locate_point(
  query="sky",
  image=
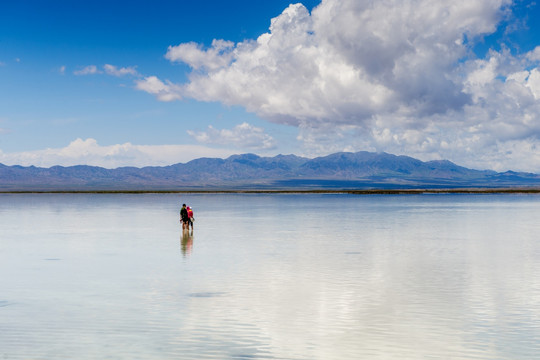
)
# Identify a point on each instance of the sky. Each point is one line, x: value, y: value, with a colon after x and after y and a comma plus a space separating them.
x: 154, y: 83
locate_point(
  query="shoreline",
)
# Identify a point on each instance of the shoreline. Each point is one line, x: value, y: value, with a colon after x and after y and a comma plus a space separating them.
x: 290, y: 191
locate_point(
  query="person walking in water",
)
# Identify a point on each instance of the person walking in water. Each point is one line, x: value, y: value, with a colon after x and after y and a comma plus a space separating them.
x: 184, y: 218
x: 190, y: 217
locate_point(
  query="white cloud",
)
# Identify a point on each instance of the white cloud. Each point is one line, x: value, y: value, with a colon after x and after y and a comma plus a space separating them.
x: 88, y: 70
x: 533, y: 82
x: 89, y: 152
x: 163, y: 91
x: 389, y: 76
x: 116, y: 71
x: 62, y: 69
x: 243, y: 136
x: 345, y: 62
x: 218, y: 56
x: 107, y: 69
x: 534, y: 55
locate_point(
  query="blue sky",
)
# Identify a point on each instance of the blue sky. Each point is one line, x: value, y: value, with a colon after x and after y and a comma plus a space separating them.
x: 156, y: 83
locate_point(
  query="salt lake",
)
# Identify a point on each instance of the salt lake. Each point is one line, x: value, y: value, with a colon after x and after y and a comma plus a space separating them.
x: 270, y: 276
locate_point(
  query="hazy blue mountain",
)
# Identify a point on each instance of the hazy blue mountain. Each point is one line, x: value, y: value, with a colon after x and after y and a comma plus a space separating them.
x: 365, y: 164
x: 361, y: 170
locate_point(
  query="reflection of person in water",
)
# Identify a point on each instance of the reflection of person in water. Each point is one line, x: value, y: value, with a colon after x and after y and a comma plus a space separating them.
x: 186, y: 244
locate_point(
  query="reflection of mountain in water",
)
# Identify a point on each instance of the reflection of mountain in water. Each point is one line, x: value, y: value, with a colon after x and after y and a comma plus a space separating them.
x: 361, y: 170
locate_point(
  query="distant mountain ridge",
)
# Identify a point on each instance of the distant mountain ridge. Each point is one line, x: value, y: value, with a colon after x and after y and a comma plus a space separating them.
x: 344, y: 170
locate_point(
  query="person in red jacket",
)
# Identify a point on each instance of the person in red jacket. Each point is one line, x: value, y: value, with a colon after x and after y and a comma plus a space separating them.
x: 190, y: 217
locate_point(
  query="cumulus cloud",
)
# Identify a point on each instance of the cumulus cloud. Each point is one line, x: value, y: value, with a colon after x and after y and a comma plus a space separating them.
x: 89, y: 152
x: 219, y: 55
x: 88, y: 70
x: 346, y: 62
x: 164, y: 91
x: 107, y: 69
x: 534, y: 55
x: 378, y: 75
x: 242, y: 136
x: 116, y: 71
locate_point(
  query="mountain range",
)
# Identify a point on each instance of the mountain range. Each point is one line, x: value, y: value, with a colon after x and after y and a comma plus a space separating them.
x: 360, y: 170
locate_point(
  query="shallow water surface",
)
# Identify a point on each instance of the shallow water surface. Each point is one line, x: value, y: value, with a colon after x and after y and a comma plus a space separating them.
x: 281, y: 276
